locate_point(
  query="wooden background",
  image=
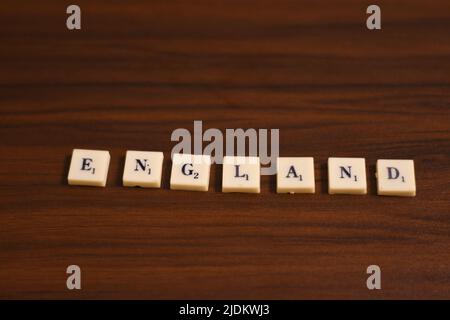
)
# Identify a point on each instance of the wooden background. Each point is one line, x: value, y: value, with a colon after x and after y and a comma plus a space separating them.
x: 138, y: 70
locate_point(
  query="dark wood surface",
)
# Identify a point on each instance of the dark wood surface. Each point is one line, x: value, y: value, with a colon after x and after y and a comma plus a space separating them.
x: 138, y: 70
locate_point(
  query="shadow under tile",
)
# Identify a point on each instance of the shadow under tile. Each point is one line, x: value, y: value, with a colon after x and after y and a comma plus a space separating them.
x: 273, y: 183
x: 119, y: 171
x: 166, y: 170
x: 372, y: 180
x: 218, y: 178
x: 324, y: 178
x: 66, y: 168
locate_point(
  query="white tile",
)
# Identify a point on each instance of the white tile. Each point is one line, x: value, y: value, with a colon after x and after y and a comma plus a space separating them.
x: 241, y: 174
x: 347, y: 175
x: 89, y: 167
x: 295, y: 175
x: 143, y: 169
x: 190, y: 172
x: 396, y: 178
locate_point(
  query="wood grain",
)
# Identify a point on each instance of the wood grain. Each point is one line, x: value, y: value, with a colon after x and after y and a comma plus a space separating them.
x: 140, y: 69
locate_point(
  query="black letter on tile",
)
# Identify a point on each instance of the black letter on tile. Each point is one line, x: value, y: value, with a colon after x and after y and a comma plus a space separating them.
x: 390, y: 173
x: 292, y: 171
x: 141, y: 164
x: 237, y: 172
x: 348, y: 172
x: 86, y: 164
x: 187, y: 172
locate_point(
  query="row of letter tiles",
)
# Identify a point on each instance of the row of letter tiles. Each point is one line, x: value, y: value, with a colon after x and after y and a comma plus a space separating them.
x: 242, y: 174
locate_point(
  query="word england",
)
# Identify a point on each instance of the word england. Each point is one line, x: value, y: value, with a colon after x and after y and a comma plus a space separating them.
x: 242, y: 174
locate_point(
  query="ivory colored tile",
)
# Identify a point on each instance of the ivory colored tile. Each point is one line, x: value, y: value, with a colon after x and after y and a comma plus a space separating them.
x: 347, y: 175
x: 89, y: 168
x: 396, y: 178
x: 190, y: 172
x: 241, y: 174
x: 295, y: 175
x: 143, y: 169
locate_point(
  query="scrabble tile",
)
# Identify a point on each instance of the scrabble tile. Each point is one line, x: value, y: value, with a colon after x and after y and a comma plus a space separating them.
x: 143, y: 169
x: 347, y: 175
x: 89, y: 167
x: 396, y: 178
x: 241, y: 174
x: 190, y: 172
x: 295, y: 175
